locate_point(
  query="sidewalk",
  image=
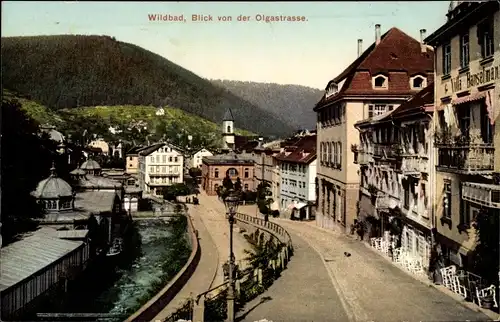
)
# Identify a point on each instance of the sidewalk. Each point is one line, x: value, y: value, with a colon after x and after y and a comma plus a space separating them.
x: 205, y: 272
x: 213, y: 216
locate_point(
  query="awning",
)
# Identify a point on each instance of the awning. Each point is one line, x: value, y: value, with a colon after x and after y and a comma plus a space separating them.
x: 300, y: 205
x: 469, y: 98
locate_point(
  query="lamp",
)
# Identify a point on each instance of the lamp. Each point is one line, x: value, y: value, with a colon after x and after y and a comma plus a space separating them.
x: 231, y: 201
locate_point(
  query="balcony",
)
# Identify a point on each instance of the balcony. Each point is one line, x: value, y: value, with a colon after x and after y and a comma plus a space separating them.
x: 170, y: 174
x: 483, y: 194
x: 386, y: 151
x: 414, y: 165
x: 466, y: 159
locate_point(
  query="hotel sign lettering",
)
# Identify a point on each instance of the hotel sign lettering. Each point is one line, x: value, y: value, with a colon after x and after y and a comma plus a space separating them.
x: 469, y: 80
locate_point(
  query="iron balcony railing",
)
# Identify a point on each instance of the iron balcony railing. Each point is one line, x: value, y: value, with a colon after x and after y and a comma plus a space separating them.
x: 466, y: 158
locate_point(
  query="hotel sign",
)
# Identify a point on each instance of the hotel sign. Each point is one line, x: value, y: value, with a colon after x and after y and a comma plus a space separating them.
x: 463, y: 82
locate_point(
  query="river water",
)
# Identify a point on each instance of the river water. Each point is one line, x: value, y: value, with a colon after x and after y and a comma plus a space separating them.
x: 154, y: 253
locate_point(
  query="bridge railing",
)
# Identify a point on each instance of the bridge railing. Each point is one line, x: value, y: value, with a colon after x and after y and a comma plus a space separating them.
x: 273, y: 228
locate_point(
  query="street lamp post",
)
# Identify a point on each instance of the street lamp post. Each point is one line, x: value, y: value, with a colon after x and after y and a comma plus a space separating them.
x: 231, y: 202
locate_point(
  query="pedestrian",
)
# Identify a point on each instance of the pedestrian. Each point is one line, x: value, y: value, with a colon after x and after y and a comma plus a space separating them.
x: 354, y: 226
x: 360, y: 230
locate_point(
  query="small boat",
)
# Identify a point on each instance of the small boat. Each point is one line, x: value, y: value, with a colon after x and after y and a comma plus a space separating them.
x: 116, y: 248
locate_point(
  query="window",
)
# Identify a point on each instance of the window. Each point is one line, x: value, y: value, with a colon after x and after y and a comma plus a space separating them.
x: 380, y: 81
x: 339, y: 145
x: 232, y: 172
x: 447, y: 200
x: 157, y: 159
x: 333, y: 155
x: 464, y: 50
x: 216, y: 173
x: 328, y: 153
x: 151, y: 169
x: 407, y: 195
x: 246, y: 173
x: 229, y: 129
x: 130, y: 158
x: 418, y: 82
x: 164, y: 159
x: 170, y: 159
x: 175, y: 159
x: 374, y: 110
x: 246, y: 186
x: 446, y: 59
x: 152, y: 159
x: 485, y: 38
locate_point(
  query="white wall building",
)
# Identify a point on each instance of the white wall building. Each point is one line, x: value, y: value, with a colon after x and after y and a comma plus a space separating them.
x: 160, y: 165
x: 298, y: 178
x: 196, y: 158
x: 228, y: 130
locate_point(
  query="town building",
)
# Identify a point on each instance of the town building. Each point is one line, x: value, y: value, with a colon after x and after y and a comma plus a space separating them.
x: 132, y: 160
x: 385, y: 75
x: 466, y: 122
x: 395, y: 176
x: 298, y: 178
x: 197, y: 157
x: 267, y: 169
x: 215, y: 168
x: 160, y: 165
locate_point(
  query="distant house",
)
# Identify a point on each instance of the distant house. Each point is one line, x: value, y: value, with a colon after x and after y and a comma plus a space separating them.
x: 196, y: 159
x: 101, y: 144
x: 53, y: 133
x: 298, y: 177
x: 160, y: 165
x: 132, y: 160
x: 160, y: 111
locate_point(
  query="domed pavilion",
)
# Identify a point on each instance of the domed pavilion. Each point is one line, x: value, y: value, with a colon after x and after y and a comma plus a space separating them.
x: 54, y: 194
x: 91, y: 167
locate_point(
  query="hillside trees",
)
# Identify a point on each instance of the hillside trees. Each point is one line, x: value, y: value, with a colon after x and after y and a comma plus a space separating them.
x: 74, y: 71
x: 26, y: 160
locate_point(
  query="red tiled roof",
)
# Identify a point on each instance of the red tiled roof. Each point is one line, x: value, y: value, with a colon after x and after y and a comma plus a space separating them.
x: 398, y: 55
x: 303, y: 151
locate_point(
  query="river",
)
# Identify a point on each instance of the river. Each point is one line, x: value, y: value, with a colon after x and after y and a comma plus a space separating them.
x: 155, y: 252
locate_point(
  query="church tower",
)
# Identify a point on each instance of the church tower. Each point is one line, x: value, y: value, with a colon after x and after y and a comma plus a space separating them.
x: 228, y: 130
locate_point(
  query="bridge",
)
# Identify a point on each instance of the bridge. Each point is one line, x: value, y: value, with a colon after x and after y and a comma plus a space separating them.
x: 320, y: 283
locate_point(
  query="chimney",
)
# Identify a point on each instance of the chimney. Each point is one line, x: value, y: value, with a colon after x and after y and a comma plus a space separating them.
x: 360, y: 47
x: 377, y: 34
x: 422, y: 37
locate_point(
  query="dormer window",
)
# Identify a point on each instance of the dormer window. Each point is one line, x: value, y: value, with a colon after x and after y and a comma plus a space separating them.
x: 331, y: 90
x: 418, y: 82
x: 380, y: 82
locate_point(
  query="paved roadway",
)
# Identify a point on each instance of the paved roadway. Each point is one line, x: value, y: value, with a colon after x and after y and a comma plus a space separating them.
x: 367, y: 287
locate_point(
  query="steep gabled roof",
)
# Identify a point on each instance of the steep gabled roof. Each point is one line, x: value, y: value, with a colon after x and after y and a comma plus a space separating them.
x: 152, y: 148
x: 396, y: 51
x: 228, y: 115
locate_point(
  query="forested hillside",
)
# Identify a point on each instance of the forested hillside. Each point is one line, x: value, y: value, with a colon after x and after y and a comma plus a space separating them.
x: 71, y: 71
x: 293, y: 104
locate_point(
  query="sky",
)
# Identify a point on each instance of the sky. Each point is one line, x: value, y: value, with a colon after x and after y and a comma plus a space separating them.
x: 308, y: 53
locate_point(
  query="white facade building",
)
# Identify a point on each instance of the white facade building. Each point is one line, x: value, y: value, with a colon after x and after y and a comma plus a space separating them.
x: 298, y: 178
x: 160, y: 165
x: 196, y: 159
x: 228, y: 130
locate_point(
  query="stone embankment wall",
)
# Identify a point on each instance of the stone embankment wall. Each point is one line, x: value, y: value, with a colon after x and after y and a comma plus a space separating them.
x: 151, y: 309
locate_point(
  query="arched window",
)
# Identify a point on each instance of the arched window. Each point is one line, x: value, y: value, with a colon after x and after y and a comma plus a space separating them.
x: 232, y: 172
x: 247, y: 173
x: 229, y: 129
x: 216, y: 173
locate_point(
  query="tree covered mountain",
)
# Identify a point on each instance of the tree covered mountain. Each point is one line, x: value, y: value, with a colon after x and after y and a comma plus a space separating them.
x: 293, y: 104
x: 70, y: 71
